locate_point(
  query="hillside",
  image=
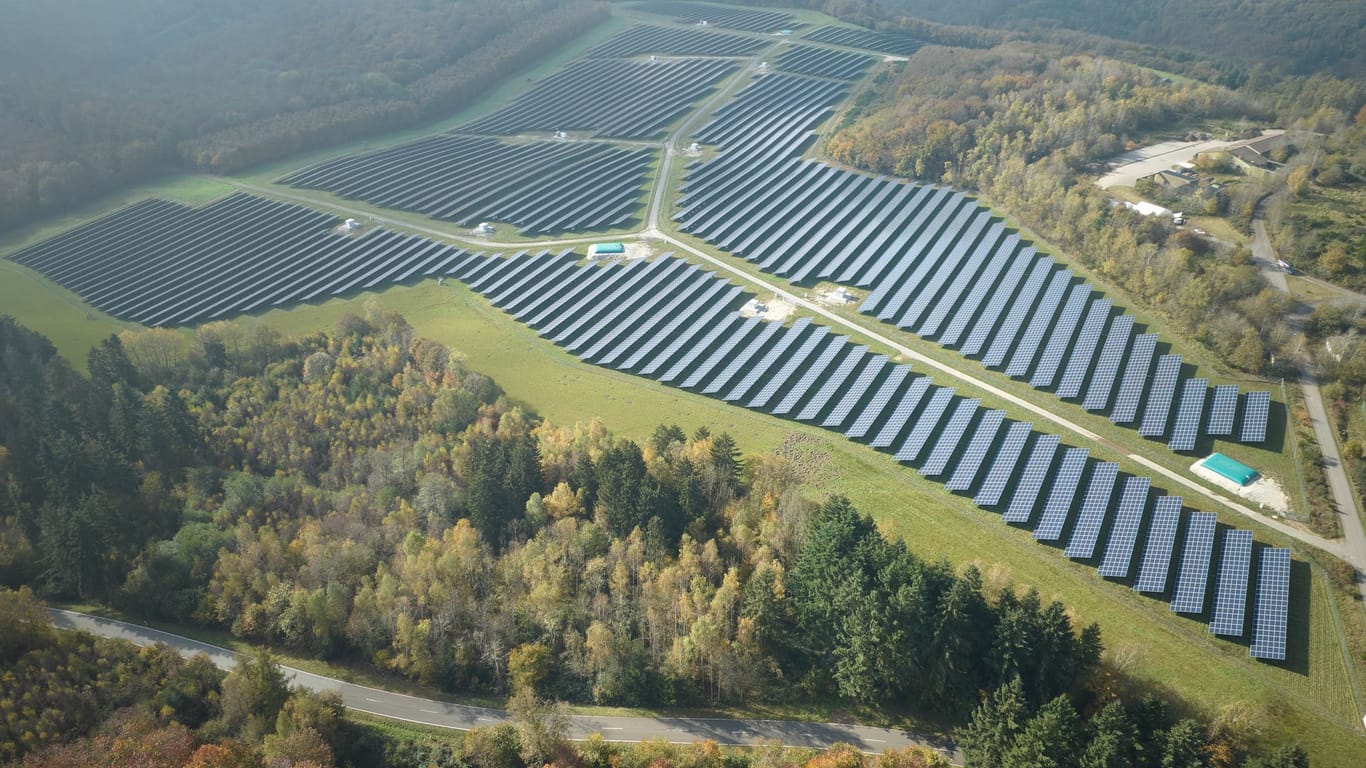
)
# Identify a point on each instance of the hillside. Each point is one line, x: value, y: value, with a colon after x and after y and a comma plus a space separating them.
x: 1302, y: 38
x: 96, y: 96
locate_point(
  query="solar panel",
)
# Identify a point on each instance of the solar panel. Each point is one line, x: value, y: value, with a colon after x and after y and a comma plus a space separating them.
x: 1060, y: 337
x: 1135, y: 379
x: 1107, y: 365
x: 947, y: 444
x: 843, y: 371
x: 837, y: 346
x: 1079, y: 362
x: 855, y: 393
x: 783, y: 377
x: 1272, y: 608
x: 1194, y: 571
x: 1003, y: 466
x: 1061, y: 494
x: 1022, y: 357
x: 1256, y: 408
x: 1157, y: 554
x: 1230, y: 597
x: 1082, y: 544
x: 1160, y: 396
x: 1119, y: 551
x: 868, y: 414
x: 1188, y: 413
x: 1222, y: 410
x: 1031, y: 481
x: 771, y: 358
x: 905, y: 409
x: 971, y: 463
x: 1003, y: 343
x: 925, y: 424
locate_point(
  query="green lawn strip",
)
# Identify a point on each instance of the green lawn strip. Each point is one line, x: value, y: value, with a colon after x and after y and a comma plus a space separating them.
x: 72, y: 325
x: 1160, y: 646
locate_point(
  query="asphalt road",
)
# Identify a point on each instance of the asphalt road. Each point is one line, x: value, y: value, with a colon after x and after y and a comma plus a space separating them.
x: 677, y: 730
x: 1354, y: 534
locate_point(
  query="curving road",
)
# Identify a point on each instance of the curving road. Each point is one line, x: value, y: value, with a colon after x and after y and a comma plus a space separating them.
x: 1354, y: 534
x: 442, y: 714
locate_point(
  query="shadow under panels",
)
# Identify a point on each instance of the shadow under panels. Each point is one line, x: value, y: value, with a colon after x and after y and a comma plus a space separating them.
x: 670, y: 320
x: 163, y: 264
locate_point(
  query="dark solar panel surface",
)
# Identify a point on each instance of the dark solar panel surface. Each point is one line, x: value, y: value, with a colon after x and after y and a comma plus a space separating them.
x: 983, y: 438
x: 1119, y: 551
x: 1003, y: 465
x: 1230, y: 596
x: 1157, y: 554
x: 1094, y: 506
x: 1272, y: 609
x: 1193, y: 573
x: 1061, y: 494
x: 1026, y: 493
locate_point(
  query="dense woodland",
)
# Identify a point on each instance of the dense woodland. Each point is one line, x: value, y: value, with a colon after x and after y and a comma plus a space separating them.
x: 1304, y: 38
x: 95, y: 96
x: 361, y: 495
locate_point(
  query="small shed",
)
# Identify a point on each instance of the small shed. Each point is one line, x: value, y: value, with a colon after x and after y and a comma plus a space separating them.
x: 600, y: 250
x: 1232, y: 469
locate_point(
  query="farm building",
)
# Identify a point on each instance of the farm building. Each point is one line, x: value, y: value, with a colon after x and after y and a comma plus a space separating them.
x: 602, y: 250
x: 1232, y: 469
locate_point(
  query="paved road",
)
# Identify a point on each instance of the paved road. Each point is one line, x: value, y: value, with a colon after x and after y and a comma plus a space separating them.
x: 678, y: 730
x: 1354, y: 534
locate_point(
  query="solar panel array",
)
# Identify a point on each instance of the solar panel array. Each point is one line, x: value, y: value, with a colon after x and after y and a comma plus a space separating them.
x: 1189, y: 411
x: 746, y: 19
x: 970, y: 463
x: 1063, y: 490
x: 1002, y: 466
x: 823, y: 62
x: 1094, y: 508
x: 1256, y: 409
x: 1230, y: 595
x: 536, y: 186
x: 1193, y: 575
x: 1272, y: 609
x: 900, y: 45
x: 674, y: 41
x: 933, y: 261
x: 1222, y: 410
x: 1160, y: 394
x: 161, y: 263
x: 1119, y: 551
x: 1026, y: 492
x: 591, y: 95
x: 1157, y: 554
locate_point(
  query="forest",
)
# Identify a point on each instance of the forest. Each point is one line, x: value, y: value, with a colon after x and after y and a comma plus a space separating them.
x: 361, y: 495
x: 97, y: 96
x: 1325, y: 36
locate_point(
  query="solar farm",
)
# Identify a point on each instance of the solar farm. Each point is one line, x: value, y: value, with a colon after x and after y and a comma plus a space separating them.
x: 804, y: 371
x: 160, y: 263
x: 748, y: 20
x: 935, y: 263
x: 575, y: 153
x: 534, y: 185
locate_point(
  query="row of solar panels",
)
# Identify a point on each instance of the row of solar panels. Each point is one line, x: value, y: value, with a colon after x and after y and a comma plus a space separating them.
x: 675, y: 41
x: 746, y: 19
x: 937, y: 264
x: 898, y: 45
x: 608, y: 97
x: 161, y: 263
x: 669, y: 320
x: 539, y: 186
